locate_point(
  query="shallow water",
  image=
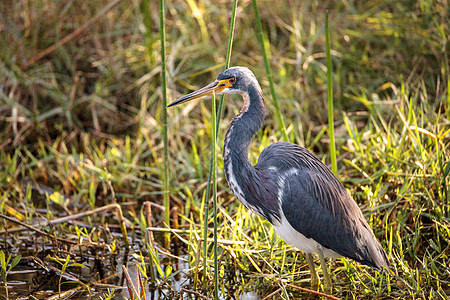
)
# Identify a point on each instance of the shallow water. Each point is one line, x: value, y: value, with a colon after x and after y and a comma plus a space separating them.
x: 38, y: 276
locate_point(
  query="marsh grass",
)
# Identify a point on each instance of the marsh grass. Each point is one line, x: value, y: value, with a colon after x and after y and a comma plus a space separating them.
x: 330, y: 106
x: 213, y: 165
x: 214, y: 194
x: 82, y: 128
x: 162, y: 30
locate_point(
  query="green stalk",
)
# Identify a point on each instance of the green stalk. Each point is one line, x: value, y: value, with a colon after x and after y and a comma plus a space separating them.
x: 162, y: 35
x: 446, y: 71
x: 269, y: 74
x: 228, y: 58
x: 212, y: 164
x: 205, y: 227
x: 214, y: 178
x: 147, y: 206
x: 330, y: 99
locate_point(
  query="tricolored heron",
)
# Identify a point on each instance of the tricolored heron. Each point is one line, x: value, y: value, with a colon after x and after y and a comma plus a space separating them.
x: 289, y: 186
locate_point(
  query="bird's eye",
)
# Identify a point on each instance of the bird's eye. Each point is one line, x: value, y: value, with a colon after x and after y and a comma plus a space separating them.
x: 232, y: 80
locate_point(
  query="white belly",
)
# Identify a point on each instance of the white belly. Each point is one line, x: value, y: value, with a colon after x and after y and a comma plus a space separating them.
x: 298, y: 240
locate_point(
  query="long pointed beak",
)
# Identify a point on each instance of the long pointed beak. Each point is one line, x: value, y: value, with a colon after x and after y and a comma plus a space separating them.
x: 214, y: 87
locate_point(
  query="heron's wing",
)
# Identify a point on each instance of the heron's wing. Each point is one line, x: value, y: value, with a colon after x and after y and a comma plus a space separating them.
x: 325, y: 212
x: 316, y: 204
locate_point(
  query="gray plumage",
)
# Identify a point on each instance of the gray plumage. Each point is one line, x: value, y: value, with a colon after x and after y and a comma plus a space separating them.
x: 317, y: 205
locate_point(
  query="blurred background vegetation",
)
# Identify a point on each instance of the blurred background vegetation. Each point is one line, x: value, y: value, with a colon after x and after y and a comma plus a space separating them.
x: 84, y: 121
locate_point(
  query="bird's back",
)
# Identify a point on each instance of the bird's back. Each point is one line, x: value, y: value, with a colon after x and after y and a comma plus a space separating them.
x: 316, y: 205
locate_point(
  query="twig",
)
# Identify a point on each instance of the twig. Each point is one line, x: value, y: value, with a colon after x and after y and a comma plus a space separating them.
x: 36, y: 230
x: 71, y: 36
x: 160, y: 229
x: 5, y: 143
x: 141, y: 285
x: 193, y: 292
x: 148, y: 212
x: 272, y: 294
x: 312, y: 292
x: 63, y: 295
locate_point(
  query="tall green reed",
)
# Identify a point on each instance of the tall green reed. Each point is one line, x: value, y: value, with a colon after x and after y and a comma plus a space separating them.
x: 214, y: 184
x: 213, y: 168
x: 166, y: 201
x: 269, y: 73
x: 330, y: 98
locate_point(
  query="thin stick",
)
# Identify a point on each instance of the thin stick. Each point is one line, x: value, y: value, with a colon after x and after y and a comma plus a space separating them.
x: 272, y: 294
x: 123, y: 227
x: 130, y: 285
x: 166, y: 200
x: 62, y: 295
x: 172, y: 230
x: 141, y: 285
x: 330, y: 99
x: 71, y: 36
x: 193, y: 292
x: 312, y: 292
x: 36, y: 230
x: 148, y: 212
x: 268, y: 72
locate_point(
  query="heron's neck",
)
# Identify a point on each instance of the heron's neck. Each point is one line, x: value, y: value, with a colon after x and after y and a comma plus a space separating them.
x: 242, y: 129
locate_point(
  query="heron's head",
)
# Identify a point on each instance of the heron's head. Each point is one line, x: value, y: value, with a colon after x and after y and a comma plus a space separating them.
x: 231, y: 81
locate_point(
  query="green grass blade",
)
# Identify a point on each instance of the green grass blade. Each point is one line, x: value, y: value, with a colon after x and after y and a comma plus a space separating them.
x: 211, y: 162
x: 166, y: 201
x: 269, y: 74
x: 330, y: 99
x: 214, y: 184
x: 228, y: 58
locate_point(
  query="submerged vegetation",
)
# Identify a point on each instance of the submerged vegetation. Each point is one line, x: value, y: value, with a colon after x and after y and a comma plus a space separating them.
x: 81, y: 128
